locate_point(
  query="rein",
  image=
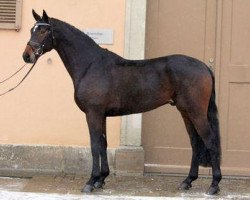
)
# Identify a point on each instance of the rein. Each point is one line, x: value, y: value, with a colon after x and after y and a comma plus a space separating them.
x: 13, y: 74
x: 11, y: 89
x: 37, y: 52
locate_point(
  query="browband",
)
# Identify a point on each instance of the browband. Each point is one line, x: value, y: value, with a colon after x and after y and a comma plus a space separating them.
x: 40, y: 24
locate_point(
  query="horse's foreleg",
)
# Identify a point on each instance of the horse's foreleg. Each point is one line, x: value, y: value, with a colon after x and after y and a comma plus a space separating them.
x: 104, y: 159
x: 95, y: 122
x: 194, y: 169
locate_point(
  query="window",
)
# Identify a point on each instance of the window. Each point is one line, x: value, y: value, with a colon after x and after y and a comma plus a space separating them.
x: 10, y: 14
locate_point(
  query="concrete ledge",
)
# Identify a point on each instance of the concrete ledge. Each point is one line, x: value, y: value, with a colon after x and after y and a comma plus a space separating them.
x: 28, y: 161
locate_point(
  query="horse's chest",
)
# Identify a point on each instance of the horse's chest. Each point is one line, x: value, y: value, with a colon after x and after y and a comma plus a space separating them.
x: 93, y: 95
x: 81, y: 103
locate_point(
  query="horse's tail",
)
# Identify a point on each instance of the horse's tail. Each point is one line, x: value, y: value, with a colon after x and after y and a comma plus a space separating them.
x: 205, y: 159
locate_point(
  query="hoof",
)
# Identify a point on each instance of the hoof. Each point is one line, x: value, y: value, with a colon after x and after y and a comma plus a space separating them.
x: 213, y: 190
x: 88, y: 189
x: 99, y: 184
x: 185, y: 186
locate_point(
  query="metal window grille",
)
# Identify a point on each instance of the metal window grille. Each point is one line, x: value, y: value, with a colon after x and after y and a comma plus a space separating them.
x: 10, y: 14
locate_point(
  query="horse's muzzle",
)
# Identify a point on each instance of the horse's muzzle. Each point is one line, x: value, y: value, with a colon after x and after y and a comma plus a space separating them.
x: 28, y: 55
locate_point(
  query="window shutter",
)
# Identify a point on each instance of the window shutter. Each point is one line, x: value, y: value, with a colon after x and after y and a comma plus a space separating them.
x: 10, y: 14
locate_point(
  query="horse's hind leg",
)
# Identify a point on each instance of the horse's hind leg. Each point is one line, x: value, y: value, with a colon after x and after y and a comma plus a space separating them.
x: 212, y: 143
x: 195, y: 140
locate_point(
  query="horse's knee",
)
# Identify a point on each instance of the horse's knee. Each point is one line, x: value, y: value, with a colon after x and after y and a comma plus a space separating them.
x: 103, y: 145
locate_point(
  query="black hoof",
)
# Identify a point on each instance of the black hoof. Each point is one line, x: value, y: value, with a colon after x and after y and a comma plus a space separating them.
x: 88, y: 189
x: 213, y: 190
x: 185, y: 186
x: 99, y: 184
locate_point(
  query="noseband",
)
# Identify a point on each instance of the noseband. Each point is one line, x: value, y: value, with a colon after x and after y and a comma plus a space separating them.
x: 39, y: 51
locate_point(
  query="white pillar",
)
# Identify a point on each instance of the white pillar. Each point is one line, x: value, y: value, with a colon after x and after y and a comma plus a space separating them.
x: 134, y: 49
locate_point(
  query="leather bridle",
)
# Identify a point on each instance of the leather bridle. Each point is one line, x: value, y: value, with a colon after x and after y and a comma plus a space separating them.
x: 40, y: 50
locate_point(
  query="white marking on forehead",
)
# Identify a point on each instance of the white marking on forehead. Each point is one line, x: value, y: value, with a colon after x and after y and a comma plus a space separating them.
x: 39, y: 24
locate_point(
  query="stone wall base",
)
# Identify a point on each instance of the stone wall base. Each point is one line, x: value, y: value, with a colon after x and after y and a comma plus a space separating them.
x: 129, y: 160
x: 28, y: 161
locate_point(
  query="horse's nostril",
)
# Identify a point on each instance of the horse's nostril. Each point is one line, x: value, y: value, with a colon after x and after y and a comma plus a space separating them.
x: 26, y: 57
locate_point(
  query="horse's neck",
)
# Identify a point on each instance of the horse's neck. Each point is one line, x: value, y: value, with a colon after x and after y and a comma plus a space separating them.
x: 76, y: 50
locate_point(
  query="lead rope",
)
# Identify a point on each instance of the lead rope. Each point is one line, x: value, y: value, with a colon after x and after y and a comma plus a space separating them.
x: 1, y: 94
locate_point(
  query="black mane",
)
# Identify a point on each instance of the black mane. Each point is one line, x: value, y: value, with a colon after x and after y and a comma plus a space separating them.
x: 56, y: 23
x: 78, y: 34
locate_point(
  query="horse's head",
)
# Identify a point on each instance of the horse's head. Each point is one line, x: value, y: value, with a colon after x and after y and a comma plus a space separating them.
x: 41, y: 40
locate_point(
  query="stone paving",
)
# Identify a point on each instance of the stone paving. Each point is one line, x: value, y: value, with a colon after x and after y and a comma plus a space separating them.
x: 120, y: 188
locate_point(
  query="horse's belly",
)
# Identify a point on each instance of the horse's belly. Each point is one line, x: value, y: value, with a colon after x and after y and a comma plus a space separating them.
x: 138, y: 105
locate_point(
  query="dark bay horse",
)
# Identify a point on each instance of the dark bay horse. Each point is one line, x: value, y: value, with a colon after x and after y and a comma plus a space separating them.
x: 108, y: 85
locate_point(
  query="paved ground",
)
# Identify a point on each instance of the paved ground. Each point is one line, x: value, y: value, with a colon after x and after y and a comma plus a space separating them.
x: 131, y: 188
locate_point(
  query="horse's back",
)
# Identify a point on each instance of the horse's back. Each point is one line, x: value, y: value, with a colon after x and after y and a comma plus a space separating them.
x: 147, y: 84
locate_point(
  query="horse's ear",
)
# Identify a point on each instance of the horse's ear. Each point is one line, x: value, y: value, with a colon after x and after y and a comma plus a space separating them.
x: 45, y: 16
x: 36, y: 16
